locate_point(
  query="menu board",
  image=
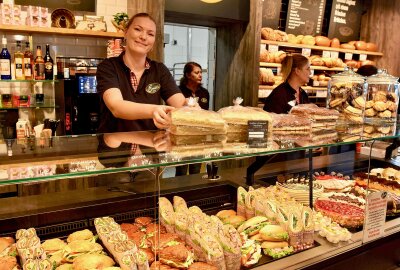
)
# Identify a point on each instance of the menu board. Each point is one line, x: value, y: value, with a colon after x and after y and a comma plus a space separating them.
x: 270, y: 13
x: 305, y: 17
x: 345, y: 20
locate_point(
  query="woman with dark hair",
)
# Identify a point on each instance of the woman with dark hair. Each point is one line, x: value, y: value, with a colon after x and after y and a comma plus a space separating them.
x: 131, y: 86
x: 190, y: 86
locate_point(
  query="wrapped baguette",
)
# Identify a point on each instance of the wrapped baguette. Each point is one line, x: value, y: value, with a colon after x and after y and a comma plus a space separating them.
x: 181, y: 224
x: 250, y: 204
x: 213, y: 250
x: 167, y: 214
x: 241, y: 201
x: 179, y: 204
x: 117, y: 243
x: 295, y: 230
x: 308, y: 225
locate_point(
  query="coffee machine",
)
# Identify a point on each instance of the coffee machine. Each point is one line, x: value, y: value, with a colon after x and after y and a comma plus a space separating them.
x: 77, y: 98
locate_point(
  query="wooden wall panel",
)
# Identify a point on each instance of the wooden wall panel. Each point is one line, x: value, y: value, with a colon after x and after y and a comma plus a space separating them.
x: 238, y: 60
x: 379, y: 25
x: 156, y: 9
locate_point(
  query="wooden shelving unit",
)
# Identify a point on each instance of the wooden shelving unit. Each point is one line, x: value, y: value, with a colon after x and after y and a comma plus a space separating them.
x: 275, y: 65
x: 58, y: 31
x: 321, y: 48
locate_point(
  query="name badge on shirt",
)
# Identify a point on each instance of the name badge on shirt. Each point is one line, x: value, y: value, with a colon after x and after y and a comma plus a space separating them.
x: 153, y: 88
x: 204, y: 100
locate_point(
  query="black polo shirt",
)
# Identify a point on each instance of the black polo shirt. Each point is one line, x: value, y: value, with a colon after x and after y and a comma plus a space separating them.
x: 155, y: 85
x: 278, y: 101
x: 201, y: 93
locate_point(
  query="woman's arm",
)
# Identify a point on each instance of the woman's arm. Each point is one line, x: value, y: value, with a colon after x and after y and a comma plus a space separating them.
x: 129, y: 110
x: 177, y: 100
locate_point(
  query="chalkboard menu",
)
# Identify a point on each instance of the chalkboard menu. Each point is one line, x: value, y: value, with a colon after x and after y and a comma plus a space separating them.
x: 305, y: 17
x: 345, y: 20
x: 270, y: 13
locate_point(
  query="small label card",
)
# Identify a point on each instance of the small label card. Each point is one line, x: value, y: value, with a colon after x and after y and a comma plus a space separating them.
x: 257, y: 134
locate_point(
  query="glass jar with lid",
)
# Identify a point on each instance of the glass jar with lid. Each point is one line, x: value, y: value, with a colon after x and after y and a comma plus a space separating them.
x: 382, y: 98
x: 346, y: 94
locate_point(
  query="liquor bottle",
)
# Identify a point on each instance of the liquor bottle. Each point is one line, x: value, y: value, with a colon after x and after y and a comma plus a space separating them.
x: 28, y: 62
x: 5, y: 61
x: 48, y: 63
x: 39, y: 64
x: 19, y: 62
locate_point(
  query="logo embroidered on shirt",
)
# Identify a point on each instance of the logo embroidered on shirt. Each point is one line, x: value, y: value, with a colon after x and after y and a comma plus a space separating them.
x: 204, y: 100
x: 292, y: 103
x: 153, y: 88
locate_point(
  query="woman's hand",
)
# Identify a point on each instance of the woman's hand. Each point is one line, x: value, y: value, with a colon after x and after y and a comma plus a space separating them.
x: 160, y: 116
x: 161, y: 141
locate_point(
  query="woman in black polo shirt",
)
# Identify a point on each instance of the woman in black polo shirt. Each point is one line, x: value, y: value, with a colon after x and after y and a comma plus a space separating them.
x: 295, y: 73
x: 131, y: 86
x: 190, y: 86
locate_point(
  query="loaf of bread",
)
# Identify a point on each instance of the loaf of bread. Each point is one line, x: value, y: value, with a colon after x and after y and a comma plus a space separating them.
x: 322, y: 41
x: 266, y: 76
x: 192, y: 120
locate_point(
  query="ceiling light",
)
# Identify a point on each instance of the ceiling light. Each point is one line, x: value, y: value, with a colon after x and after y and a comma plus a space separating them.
x: 210, y: 1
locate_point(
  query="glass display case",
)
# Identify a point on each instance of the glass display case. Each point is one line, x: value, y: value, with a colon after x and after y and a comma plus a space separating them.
x: 61, y: 185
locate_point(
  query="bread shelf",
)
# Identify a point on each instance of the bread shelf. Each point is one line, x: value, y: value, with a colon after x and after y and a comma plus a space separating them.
x: 58, y: 31
x: 321, y: 48
x: 308, y: 88
x: 275, y: 65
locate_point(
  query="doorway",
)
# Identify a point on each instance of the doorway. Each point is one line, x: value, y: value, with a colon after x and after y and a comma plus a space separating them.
x: 184, y: 43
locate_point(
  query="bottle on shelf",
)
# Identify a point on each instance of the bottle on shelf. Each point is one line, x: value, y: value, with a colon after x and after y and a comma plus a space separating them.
x: 19, y: 62
x: 48, y: 63
x: 39, y: 64
x: 28, y: 62
x: 5, y: 61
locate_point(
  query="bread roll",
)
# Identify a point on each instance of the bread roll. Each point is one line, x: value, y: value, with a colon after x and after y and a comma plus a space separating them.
x: 328, y: 62
x: 361, y: 45
x: 308, y: 40
x: 335, y: 43
x: 281, y: 36
x: 352, y: 63
x: 268, y: 33
x: 372, y: 47
x: 265, y: 56
x: 348, y: 46
x: 367, y: 62
x: 322, y: 41
x: 279, y: 56
x: 317, y: 61
x: 293, y: 39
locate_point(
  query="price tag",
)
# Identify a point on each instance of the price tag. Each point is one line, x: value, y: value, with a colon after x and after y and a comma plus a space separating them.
x: 363, y: 57
x: 262, y: 47
x: 257, y: 133
x: 306, y: 52
x: 326, y: 54
x: 375, y: 214
x: 348, y: 56
x: 312, y: 72
x: 335, y: 55
x: 322, y: 93
x: 273, y: 48
x: 278, y: 70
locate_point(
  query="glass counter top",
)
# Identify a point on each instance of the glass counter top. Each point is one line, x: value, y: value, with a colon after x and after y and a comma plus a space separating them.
x: 42, y: 159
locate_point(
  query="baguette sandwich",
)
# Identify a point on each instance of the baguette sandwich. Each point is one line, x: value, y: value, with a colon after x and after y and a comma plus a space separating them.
x: 251, y: 253
x: 253, y: 226
x: 167, y: 214
x: 276, y: 250
x: 274, y: 233
x: 179, y: 204
x: 177, y: 256
x: 241, y: 201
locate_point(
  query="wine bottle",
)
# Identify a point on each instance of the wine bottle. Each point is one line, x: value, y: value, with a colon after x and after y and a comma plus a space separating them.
x: 5, y: 61
x: 19, y: 62
x: 28, y: 62
x: 39, y: 64
x: 48, y: 63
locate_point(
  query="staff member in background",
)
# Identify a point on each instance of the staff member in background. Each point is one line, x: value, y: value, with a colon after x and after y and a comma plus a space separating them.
x: 295, y: 73
x: 190, y: 86
x: 131, y: 86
